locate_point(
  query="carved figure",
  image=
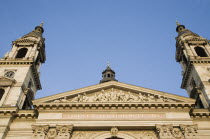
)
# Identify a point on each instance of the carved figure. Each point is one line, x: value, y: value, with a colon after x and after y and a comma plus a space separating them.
x: 114, y: 131
x: 52, y: 133
x: 39, y: 131
x: 64, y: 100
x: 57, y: 101
x: 177, y: 134
x: 189, y: 131
x: 151, y: 97
x: 64, y: 131
x: 141, y: 97
x: 84, y: 98
x: 164, y: 131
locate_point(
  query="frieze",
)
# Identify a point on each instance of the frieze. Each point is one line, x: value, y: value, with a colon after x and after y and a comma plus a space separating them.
x: 114, y: 116
x: 115, y: 95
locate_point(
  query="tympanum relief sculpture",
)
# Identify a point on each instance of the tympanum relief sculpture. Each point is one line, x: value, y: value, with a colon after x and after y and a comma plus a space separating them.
x: 115, y: 95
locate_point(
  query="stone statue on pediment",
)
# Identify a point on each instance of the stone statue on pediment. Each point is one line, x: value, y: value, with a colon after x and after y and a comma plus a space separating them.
x: 64, y: 100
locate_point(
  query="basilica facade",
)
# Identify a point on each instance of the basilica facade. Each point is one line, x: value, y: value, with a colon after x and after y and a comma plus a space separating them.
x: 110, y: 109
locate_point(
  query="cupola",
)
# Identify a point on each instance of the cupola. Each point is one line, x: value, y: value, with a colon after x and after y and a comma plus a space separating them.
x: 108, y: 75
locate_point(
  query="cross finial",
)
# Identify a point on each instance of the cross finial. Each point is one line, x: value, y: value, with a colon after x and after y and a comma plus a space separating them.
x: 41, y: 25
x: 108, y: 64
x: 177, y: 23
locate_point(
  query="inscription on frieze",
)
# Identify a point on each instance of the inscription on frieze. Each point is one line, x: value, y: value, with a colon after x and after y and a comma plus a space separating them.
x: 107, y: 116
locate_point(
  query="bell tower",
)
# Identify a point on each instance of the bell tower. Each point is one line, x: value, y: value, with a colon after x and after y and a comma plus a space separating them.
x: 19, y: 70
x: 193, y: 53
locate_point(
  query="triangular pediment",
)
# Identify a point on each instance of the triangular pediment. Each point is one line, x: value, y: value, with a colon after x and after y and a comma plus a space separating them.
x: 113, y: 92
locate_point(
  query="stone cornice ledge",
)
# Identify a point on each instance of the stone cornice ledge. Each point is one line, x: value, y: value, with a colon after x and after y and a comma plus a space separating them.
x: 8, y: 110
x: 200, y: 113
x: 112, y: 105
x: 29, y: 114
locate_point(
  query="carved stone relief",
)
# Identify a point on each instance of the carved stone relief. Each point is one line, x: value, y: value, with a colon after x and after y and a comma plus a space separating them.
x: 181, y: 132
x: 47, y: 132
x: 165, y: 131
x: 189, y: 131
x: 176, y: 133
x: 114, y: 131
x: 115, y: 95
x: 64, y: 131
x: 39, y: 131
x: 52, y: 133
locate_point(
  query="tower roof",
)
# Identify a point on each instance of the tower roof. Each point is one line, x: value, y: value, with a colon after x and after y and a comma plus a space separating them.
x: 179, y: 26
x: 108, y: 68
x: 182, y: 30
x: 37, y: 32
x: 108, y: 75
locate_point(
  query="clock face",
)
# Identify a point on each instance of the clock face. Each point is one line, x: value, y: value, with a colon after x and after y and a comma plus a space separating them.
x: 9, y: 74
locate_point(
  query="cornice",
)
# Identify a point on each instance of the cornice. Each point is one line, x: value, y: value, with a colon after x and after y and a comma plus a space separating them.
x: 200, y: 113
x: 28, y: 114
x: 8, y: 111
x: 24, y: 40
x: 65, y: 106
x: 17, y: 61
x: 15, y: 112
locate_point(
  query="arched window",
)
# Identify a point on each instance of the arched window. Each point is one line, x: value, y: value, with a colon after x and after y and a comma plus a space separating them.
x: 1, y: 93
x: 22, y: 53
x: 200, y: 52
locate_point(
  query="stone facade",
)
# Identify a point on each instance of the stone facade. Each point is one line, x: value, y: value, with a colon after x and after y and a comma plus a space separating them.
x: 110, y: 109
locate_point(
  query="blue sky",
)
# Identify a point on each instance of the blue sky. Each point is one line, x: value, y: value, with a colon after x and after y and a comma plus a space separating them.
x: 136, y: 36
